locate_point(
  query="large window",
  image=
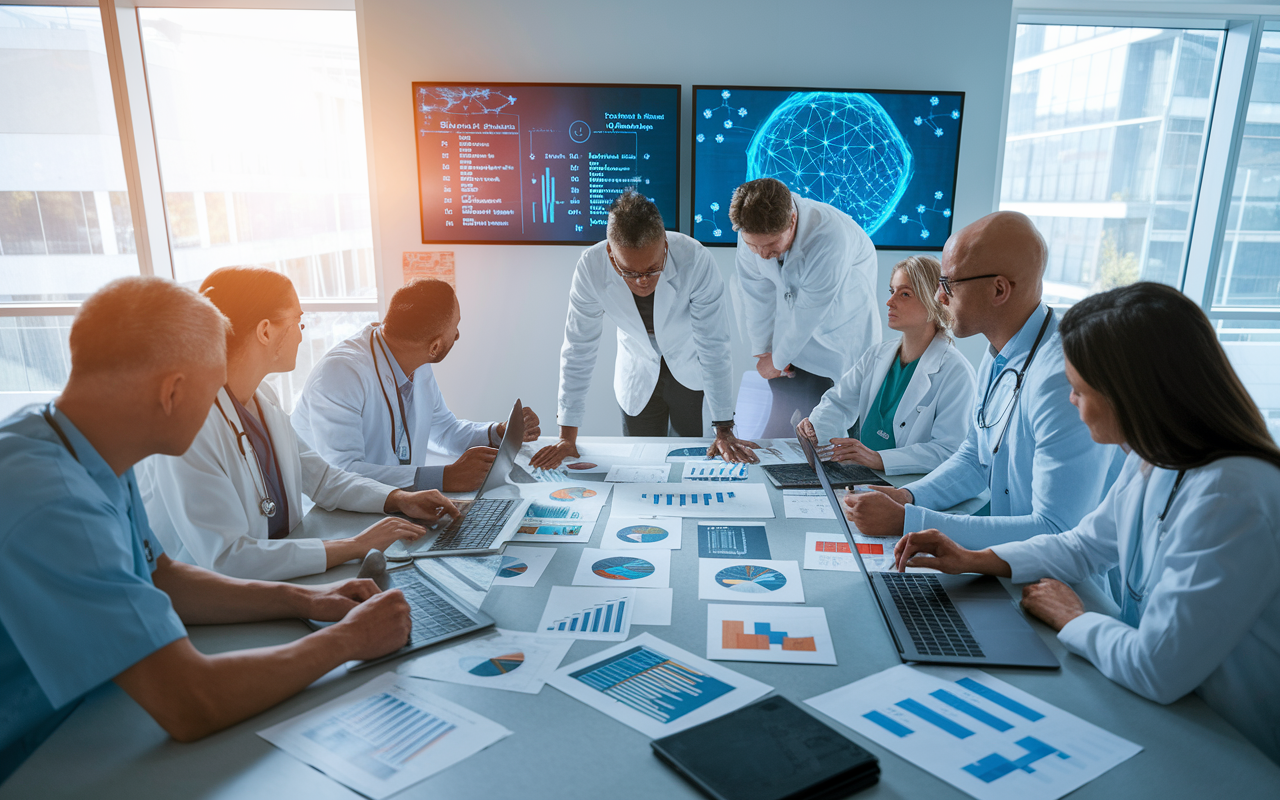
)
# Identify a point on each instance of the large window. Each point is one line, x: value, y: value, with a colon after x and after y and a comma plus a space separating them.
x: 1106, y: 135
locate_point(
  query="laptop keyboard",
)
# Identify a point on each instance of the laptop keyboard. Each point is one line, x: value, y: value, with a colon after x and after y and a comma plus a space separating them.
x: 838, y: 474
x: 433, y: 616
x: 935, y: 626
x: 478, y: 528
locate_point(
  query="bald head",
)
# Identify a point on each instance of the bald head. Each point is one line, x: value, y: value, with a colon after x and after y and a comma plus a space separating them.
x: 996, y: 269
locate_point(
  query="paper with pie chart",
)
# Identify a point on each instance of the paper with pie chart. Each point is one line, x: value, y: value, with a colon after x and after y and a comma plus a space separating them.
x: 642, y: 533
x: 749, y: 580
x: 509, y: 660
x: 561, y: 503
x: 522, y: 566
x: 631, y: 568
x: 783, y: 634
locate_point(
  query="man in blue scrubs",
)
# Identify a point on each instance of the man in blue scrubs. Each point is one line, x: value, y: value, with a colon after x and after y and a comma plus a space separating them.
x: 87, y: 594
x: 1027, y: 444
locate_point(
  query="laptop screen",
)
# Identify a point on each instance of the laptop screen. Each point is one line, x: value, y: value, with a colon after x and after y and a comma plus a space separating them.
x: 820, y: 468
x: 506, y: 458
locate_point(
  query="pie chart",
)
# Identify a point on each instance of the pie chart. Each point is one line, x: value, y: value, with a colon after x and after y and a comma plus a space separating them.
x: 643, y: 534
x: 751, y: 579
x: 512, y: 567
x: 622, y: 568
x: 492, y: 667
x: 571, y: 493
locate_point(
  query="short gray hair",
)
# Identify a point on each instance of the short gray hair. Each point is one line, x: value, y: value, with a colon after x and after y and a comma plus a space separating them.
x: 634, y: 221
x: 146, y: 323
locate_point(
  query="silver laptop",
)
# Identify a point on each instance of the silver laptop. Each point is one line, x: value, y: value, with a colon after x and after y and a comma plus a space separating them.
x: 946, y: 619
x: 486, y: 523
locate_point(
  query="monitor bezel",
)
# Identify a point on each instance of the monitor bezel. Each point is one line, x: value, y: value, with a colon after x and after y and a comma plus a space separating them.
x: 671, y: 225
x: 693, y: 151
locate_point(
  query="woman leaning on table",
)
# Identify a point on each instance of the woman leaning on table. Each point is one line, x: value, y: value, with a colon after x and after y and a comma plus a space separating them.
x: 912, y: 396
x: 1193, y: 521
x: 228, y: 502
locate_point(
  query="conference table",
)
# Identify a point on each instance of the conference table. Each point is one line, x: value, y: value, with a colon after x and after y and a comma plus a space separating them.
x: 561, y: 748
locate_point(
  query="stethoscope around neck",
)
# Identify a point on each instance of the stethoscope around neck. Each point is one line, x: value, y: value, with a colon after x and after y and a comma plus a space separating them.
x: 1137, y: 594
x: 266, y: 505
x: 407, y: 457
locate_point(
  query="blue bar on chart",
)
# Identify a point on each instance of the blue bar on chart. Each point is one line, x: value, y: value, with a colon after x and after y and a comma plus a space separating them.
x: 652, y: 684
x: 889, y: 724
x: 538, y: 511
x: 681, y: 498
x: 965, y: 707
x: 392, y: 730
x: 995, y: 766
x: 987, y: 693
x: 933, y: 717
x: 601, y: 618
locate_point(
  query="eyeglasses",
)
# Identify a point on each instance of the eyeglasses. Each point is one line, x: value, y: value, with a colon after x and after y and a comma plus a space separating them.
x: 628, y: 275
x: 304, y: 319
x: 946, y: 283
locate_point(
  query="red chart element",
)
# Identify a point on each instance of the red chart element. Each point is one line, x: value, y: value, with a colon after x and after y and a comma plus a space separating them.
x: 843, y: 547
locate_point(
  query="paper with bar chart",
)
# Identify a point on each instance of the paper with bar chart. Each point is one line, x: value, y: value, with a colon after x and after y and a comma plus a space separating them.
x: 642, y: 533
x: 564, y: 503
x: 509, y: 660
x: 384, y: 736
x: 733, y: 500
x: 755, y: 580
x: 650, y: 569
x: 522, y: 566
x: 784, y: 634
x: 978, y: 733
x: 587, y: 612
x: 655, y: 687
x: 830, y: 551
x: 714, y: 471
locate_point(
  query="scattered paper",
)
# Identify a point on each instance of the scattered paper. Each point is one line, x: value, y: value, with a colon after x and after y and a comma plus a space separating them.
x: 507, y: 660
x: 532, y: 530
x: 779, y: 451
x: 831, y: 551
x: 981, y: 735
x: 785, y: 634
x: 627, y: 473
x: 467, y: 577
x: 749, y: 581
x: 650, y: 569
x: 807, y: 504
x: 642, y: 533
x: 690, y: 453
x: 733, y: 501
x: 653, y: 607
x: 522, y: 566
x: 732, y: 540
x: 384, y: 736
x: 580, y: 612
x: 716, y: 471
x: 592, y: 459
x: 565, y: 502
x: 655, y: 687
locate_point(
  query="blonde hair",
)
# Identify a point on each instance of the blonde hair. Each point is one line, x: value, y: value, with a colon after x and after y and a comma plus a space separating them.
x: 923, y: 273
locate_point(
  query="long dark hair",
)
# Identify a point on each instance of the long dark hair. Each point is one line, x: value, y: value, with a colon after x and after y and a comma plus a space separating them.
x: 1154, y: 355
x: 247, y: 296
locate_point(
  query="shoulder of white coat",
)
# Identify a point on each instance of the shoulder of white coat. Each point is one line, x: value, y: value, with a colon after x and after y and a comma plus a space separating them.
x: 1244, y: 477
x: 954, y: 360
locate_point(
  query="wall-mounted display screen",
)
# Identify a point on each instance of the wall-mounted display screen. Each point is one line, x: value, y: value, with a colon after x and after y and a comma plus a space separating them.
x: 886, y: 158
x: 540, y: 163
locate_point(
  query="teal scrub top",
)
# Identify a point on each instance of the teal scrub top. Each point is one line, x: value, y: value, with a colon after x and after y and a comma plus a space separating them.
x: 77, y: 605
x: 876, y: 430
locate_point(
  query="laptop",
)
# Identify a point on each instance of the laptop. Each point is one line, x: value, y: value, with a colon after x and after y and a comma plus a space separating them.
x: 947, y: 619
x: 437, y: 613
x: 486, y: 523
x: 802, y: 476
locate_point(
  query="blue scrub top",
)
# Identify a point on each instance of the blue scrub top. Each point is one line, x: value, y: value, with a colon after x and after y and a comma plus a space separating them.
x: 77, y: 605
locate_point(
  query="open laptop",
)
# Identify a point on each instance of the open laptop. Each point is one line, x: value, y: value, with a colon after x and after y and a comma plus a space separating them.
x: 486, y: 523
x: 946, y: 619
x: 802, y: 476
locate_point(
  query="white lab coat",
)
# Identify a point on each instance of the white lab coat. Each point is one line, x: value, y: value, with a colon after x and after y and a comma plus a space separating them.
x: 203, y: 505
x: 1211, y: 619
x: 818, y: 311
x: 690, y: 322
x: 343, y: 414
x: 932, y: 418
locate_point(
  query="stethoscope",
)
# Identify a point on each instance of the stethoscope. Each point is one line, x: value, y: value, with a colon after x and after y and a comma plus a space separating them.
x: 265, y: 504
x: 47, y: 413
x: 405, y: 456
x: 1017, y: 384
x: 1138, y: 595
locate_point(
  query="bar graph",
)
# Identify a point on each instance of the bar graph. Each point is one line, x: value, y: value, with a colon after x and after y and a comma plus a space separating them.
x: 843, y: 547
x: 548, y: 197
x: 540, y: 511
x: 605, y: 617
x: 995, y: 766
x: 734, y: 637
x: 380, y: 734
x: 651, y: 683
x: 682, y: 499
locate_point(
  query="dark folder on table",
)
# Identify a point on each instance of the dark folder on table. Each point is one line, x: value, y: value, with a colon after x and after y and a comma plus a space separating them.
x: 769, y: 750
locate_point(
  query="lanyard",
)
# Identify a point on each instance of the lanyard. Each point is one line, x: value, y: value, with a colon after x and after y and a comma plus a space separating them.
x: 405, y: 458
x: 265, y: 504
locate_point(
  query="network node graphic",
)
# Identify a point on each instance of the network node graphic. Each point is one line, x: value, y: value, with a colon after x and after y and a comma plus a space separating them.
x: 838, y: 147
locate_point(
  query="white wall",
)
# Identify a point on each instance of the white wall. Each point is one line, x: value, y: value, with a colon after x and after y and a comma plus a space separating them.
x: 514, y: 298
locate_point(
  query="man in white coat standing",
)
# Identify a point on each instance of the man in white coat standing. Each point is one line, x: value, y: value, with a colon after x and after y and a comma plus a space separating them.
x: 808, y: 275
x: 372, y: 405
x: 663, y: 292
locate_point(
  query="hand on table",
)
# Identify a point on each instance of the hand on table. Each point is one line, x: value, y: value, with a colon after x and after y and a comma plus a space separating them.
x: 880, y: 512
x: 468, y: 472
x: 531, y: 429
x: 846, y: 450
x: 731, y: 448
x: 764, y: 366
x: 1053, y: 602
x: 550, y: 456
x: 330, y: 602
x: 428, y: 506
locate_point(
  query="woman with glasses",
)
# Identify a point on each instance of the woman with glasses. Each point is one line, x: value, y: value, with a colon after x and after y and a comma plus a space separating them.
x: 663, y: 292
x: 1192, y: 524
x: 911, y: 397
x: 227, y: 503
